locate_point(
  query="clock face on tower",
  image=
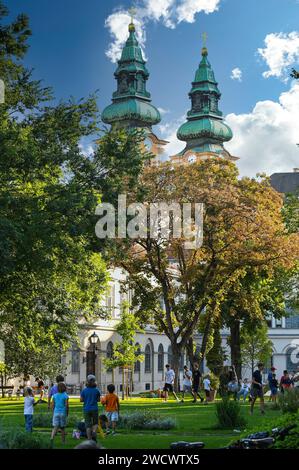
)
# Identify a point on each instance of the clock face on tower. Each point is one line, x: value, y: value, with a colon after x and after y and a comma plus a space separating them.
x: 192, y: 159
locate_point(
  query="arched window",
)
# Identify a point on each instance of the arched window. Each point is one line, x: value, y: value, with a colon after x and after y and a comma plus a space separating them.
x: 109, y: 353
x: 160, y: 358
x: 75, y: 360
x: 137, y: 363
x: 292, y: 359
x: 169, y: 354
x: 147, y: 359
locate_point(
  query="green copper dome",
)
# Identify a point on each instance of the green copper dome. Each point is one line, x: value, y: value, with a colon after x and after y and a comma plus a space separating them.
x: 131, y: 102
x: 205, y: 127
x: 205, y: 123
x: 131, y: 110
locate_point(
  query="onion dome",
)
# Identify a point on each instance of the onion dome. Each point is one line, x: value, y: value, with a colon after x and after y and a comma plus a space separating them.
x: 131, y: 103
x: 205, y: 128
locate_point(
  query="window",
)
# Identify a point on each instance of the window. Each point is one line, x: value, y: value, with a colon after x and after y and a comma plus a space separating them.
x: 110, y: 299
x: 109, y: 353
x: 292, y: 359
x: 160, y: 358
x: 75, y: 360
x: 137, y: 363
x: 147, y: 359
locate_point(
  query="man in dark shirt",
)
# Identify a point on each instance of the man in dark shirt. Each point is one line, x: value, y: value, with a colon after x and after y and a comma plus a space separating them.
x: 196, y: 383
x: 257, y: 388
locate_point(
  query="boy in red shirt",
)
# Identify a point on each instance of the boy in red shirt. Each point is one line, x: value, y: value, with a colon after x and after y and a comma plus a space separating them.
x: 111, y: 403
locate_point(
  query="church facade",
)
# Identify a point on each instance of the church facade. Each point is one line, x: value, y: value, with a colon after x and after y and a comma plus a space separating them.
x: 204, y: 133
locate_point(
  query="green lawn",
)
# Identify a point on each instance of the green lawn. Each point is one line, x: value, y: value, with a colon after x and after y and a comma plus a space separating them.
x: 193, y: 423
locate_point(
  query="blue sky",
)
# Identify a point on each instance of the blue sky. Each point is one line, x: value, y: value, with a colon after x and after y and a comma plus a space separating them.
x: 71, y: 39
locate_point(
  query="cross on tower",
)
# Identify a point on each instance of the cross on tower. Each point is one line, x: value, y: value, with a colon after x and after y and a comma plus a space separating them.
x: 132, y: 12
x: 204, y: 38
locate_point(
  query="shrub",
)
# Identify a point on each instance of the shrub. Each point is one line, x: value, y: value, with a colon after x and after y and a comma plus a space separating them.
x: 289, y: 400
x: 229, y: 415
x: 145, y: 420
x: 19, y: 439
x: 44, y: 420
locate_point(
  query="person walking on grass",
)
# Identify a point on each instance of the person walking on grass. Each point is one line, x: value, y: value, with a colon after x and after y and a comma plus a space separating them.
x: 111, y: 404
x: 257, y: 388
x: 54, y: 389
x: 196, y: 378
x: 60, y: 407
x: 169, y: 382
x: 90, y: 397
x: 187, y: 383
x: 29, y: 403
x: 207, y: 388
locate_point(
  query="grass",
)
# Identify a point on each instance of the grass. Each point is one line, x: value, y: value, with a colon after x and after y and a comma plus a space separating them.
x: 193, y: 423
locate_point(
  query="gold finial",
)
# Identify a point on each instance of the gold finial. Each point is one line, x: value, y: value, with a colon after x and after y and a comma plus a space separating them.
x: 204, y: 49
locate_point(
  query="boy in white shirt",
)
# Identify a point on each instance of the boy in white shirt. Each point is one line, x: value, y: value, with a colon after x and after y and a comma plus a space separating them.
x: 29, y: 403
x: 169, y: 381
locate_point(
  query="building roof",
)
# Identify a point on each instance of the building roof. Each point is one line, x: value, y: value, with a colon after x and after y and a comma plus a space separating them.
x: 285, y: 182
x: 205, y: 123
x: 131, y: 103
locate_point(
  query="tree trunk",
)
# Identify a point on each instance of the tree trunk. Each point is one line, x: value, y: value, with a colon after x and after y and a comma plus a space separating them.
x: 2, y: 385
x: 205, y: 338
x: 191, y: 352
x: 235, y: 347
x: 176, y: 367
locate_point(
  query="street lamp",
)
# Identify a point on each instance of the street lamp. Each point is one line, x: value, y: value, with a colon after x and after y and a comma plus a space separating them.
x: 94, y: 338
x: 93, y: 341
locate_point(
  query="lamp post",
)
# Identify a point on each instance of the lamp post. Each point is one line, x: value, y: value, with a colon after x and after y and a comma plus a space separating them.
x: 93, y: 340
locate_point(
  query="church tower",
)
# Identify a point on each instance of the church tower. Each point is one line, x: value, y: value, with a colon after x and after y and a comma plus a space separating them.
x: 205, y: 130
x: 131, y: 103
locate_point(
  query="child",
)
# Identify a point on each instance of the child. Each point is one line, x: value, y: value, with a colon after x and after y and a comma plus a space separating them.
x: 60, y: 405
x: 233, y: 388
x: 90, y: 397
x: 29, y: 403
x: 244, y: 390
x: 207, y: 388
x: 273, y: 383
x: 111, y: 403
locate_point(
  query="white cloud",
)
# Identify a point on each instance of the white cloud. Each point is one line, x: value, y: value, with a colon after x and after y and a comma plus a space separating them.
x: 265, y: 139
x: 160, y: 10
x: 163, y: 111
x: 236, y: 74
x: 187, y: 9
x: 117, y: 23
x: 168, y: 12
x: 281, y: 51
x: 168, y: 132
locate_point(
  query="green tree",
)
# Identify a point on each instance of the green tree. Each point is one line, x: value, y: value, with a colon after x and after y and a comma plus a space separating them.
x: 243, y: 230
x: 126, y: 352
x: 255, y: 345
x: 52, y: 276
